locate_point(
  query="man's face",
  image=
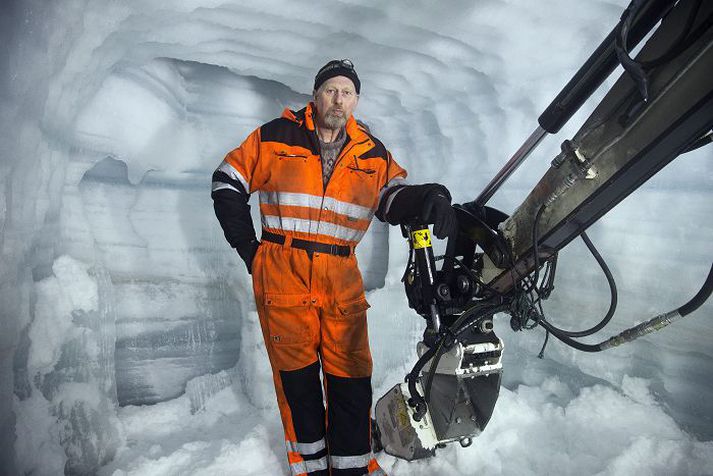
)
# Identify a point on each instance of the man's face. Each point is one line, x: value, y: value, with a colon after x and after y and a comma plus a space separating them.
x: 335, y: 99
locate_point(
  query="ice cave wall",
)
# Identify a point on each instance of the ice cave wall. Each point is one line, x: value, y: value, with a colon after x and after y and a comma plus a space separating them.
x: 106, y: 185
x: 115, y: 114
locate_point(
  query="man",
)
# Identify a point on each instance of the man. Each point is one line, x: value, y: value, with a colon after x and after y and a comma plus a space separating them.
x: 321, y: 177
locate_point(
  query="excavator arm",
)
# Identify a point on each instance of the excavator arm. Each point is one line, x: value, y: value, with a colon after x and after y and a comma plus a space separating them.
x: 660, y: 107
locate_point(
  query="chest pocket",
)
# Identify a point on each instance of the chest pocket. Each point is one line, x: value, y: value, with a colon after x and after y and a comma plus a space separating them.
x: 282, y: 155
x: 363, y: 177
x: 288, y: 166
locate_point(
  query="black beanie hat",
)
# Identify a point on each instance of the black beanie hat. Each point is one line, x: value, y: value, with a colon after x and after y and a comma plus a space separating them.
x: 334, y: 68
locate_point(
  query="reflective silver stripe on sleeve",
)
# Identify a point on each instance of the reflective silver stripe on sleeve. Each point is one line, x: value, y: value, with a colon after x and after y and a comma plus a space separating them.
x: 222, y: 185
x: 390, y: 200
x: 312, y: 227
x: 315, y: 201
x: 377, y: 472
x: 391, y: 184
x: 306, y: 448
x: 234, y: 174
x: 347, y: 462
x: 308, y: 466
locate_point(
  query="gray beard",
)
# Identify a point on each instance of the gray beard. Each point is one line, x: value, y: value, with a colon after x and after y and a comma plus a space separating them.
x: 334, y: 122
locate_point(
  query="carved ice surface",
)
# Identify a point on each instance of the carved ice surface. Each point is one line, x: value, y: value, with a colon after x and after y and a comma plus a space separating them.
x: 67, y: 389
x: 129, y: 340
x: 201, y: 389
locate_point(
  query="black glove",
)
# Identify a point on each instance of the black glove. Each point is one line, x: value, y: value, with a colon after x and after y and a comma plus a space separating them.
x: 437, y: 210
x: 429, y: 203
x: 247, y: 252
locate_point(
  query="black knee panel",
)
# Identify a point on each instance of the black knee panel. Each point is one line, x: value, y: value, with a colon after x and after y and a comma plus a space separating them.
x: 348, y: 414
x: 303, y: 391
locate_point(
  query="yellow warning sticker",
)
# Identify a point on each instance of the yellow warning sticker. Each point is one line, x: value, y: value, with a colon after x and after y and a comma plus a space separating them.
x: 421, y: 238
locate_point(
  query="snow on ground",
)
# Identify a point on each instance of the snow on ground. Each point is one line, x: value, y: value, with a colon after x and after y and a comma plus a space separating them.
x: 552, y: 428
x: 229, y: 436
x: 561, y: 421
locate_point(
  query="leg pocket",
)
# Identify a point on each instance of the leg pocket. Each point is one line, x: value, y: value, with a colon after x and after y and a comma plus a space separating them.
x: 290, y: 320
x: 346, y: 329
x: 345, y: 340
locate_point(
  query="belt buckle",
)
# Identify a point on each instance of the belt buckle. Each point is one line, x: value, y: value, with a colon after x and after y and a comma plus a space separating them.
x: 334, y: 249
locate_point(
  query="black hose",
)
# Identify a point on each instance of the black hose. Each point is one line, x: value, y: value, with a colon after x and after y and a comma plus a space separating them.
x: 613, y: 293
x: 541, y: 355
x: 621, y: 41
x: 639, y: 70
x: 652, y: 325
x: 678, y: 45
x: 700, y: 297
x: 416, y: 399
x: 569, y: 341
x: 432, y: 369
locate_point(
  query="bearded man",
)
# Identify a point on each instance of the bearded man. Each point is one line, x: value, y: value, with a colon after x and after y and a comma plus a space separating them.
x: 321, y: 177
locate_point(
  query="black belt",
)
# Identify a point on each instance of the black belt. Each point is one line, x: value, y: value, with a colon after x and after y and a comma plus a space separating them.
x: 309, y: 246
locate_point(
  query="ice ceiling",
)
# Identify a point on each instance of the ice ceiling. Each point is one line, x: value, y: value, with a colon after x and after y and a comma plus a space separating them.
x: 116, y: 285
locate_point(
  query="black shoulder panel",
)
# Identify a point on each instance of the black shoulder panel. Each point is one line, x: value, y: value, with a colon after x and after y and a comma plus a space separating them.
x: 300, y: 115
x: 287, y: 132
x: 378, y: 151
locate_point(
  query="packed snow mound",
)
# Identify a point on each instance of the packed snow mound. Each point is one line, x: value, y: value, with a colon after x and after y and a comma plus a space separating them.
x: 535, y: 430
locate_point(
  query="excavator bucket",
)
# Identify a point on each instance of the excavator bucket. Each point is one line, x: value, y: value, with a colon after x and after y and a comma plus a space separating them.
x: 465, y: 387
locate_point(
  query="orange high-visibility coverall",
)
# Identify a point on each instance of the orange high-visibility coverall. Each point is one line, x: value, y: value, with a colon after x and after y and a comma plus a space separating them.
x: 311, y: 304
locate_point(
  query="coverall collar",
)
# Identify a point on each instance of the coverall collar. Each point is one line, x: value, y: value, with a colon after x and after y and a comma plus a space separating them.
x: 305, y: 118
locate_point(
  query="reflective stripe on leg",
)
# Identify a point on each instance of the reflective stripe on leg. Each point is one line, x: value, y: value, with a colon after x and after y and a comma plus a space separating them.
x: 306, y: 448
x: 355, y: 465
x: 309, y: 467
x: 310, y: 457
x: 347, y: 462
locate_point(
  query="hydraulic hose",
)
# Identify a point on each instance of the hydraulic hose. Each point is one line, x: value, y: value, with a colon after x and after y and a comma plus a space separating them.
x: 417, y: 400
x: 612, y: 289
x: 652, y: 325
x: 700, y: 297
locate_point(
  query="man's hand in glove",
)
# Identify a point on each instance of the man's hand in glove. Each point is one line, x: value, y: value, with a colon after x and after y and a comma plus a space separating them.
x: 438, y: 211
x: 247, y: 253
x: 429, y: 203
